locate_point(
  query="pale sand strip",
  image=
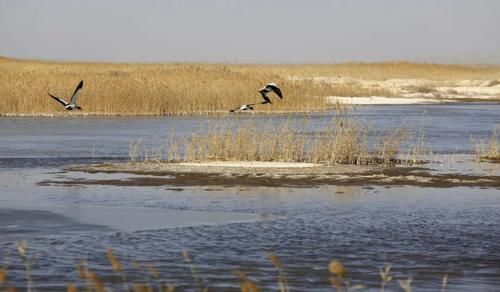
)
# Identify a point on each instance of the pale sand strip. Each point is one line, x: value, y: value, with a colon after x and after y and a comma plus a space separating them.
x: 373, y: 100
x: 251, y: 164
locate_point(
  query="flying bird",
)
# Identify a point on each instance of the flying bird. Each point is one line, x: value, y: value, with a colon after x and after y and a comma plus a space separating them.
x: 72, y: 102
x: 270, y: 87
x: 245, y: 107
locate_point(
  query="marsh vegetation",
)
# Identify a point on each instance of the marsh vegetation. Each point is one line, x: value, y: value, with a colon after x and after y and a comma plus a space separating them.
x: 489, y: 149
x: 344, y: 140
x: 167, y: 89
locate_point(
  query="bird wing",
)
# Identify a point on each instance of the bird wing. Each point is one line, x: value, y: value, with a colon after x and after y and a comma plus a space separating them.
x: 275, y: 88
x: 243, y: 106
x: 266, y: 98
x: 235, y: 109
x: 76, y: 93
x: 59, y: 100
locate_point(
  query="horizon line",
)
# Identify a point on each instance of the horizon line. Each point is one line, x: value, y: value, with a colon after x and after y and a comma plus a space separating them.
x: 206, y: 62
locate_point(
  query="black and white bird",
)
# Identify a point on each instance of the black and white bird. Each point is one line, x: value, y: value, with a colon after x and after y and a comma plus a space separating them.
x: 245, y: 107
x: 270, y: 87
x: 71, y: 105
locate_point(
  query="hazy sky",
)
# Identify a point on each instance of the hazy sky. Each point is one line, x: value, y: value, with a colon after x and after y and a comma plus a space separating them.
x: 256, y: 31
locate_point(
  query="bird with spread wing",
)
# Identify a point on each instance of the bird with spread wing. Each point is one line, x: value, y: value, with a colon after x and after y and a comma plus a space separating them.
x: 71, y: 105
x: 270, y: 87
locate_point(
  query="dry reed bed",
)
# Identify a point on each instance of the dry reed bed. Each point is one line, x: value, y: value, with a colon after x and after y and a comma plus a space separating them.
x: 340, y: 144
x: 145, y: 277
x: 345, y: 140
x: 388, y: 70
x: 489, y: 149
x: 163, y: 89
x: 146, y: 89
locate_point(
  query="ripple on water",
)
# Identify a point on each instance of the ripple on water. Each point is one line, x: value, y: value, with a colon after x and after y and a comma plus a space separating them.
x: 422, y: 233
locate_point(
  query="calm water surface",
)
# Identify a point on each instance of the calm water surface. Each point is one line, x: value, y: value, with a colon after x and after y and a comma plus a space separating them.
x: 422, y: 232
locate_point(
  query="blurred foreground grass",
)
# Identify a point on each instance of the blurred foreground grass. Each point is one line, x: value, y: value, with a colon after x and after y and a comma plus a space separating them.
x: 339, y: 277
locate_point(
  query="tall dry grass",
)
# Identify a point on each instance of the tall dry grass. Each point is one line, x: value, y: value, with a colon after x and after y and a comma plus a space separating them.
x: 344, y: 140
x: 147, y: 89
x: 248, y: 143
x: 165, y: 89
x: 488, y: 149
x: 388, y: 70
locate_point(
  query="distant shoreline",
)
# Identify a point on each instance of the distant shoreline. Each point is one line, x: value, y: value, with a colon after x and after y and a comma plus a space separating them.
x: 64, y: 114
x: 345, y: 101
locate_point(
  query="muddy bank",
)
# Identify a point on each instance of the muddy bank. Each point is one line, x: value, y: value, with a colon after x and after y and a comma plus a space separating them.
x: 184, y: 175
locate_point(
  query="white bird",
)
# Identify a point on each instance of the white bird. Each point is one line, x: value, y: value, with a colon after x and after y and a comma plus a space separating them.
x: 245, y: 107
x: 270, y: 87
x: 72, y: 102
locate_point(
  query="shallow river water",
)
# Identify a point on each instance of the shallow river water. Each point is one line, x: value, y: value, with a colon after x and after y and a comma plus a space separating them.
x: 423, y: 233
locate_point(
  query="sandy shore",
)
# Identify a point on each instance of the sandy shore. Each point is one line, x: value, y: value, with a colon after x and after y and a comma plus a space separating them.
x: 250, y: 164
x: 417, y: 91
x: 380, y: 100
